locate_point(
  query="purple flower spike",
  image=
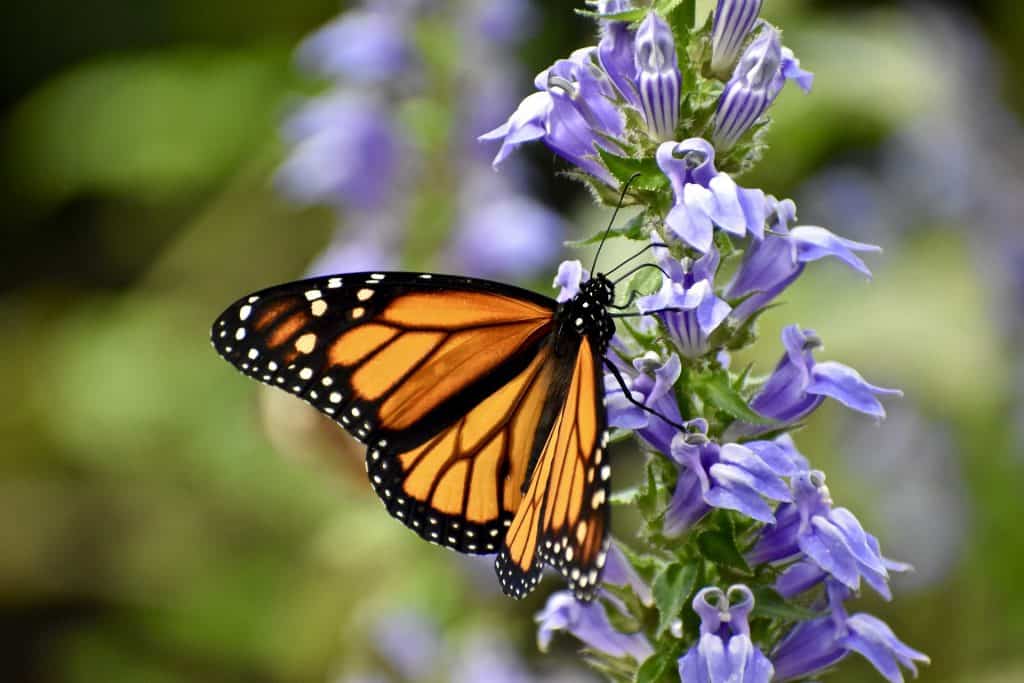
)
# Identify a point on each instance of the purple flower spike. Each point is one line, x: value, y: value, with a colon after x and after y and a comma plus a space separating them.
x: 725, y: 653
x: 732, y: 23
x: 365, y: 47
x: 771, y: 265
x: 832, y: 540
x: 800, y: 384
x: 756, y: 83
x: 658, y: 76
x: 705, y: 198
x: 589, y: 623
x: 733, y: 477
x: 690, y: 289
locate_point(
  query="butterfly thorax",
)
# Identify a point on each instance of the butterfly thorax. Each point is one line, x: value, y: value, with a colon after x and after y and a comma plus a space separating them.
x: 586, y: 314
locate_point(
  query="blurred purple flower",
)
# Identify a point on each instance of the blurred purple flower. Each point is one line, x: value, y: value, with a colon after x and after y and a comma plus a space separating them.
x: 725, y: 653
x: 733, y: 21
x: 589, y: 623
x: 510, y: 236
x: 409, y: 642
x: 366, y: 243
x: 571, y: 274
x: 501, y: 23
x: 487, y: 658
x: 705, y: 198
x: 691, y: 289
x: 800, y: 384
x: 658, y: 78
x: 772, y: 264
x: 832, y: 541
x: 731, y: 476
x: 367, y: 46
x: 756, y: 83
x: 346, y: 152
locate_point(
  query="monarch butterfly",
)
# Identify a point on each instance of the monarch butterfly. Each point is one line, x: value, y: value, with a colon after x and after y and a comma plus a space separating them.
x: 481, y: 405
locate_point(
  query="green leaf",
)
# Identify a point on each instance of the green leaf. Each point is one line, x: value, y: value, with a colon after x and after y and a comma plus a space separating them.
x: 635, y: 229
x: 672, y: 589
x: 659, y: 668
x: 717, y: 389
x: 630, y: 15
x: 768, y: 603
x: 720, y: 548
x: 650, y: 179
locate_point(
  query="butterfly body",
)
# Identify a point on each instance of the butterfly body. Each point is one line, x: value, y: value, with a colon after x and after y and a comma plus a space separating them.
x: 480, y: 404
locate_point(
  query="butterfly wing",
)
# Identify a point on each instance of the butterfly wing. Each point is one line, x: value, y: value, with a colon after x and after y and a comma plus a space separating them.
x: 563, y: 518
x: 444, y: 378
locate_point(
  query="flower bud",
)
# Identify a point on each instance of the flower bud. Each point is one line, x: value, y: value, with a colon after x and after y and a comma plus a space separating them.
x: 733, y: 21
x: 658, y: 76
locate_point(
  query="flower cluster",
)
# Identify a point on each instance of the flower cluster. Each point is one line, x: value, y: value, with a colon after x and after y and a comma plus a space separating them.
x: 747, y: 565
x: 359, y: 147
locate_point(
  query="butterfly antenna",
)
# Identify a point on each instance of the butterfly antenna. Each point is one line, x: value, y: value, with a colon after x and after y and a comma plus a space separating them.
x: 615, y: 214
x: 639, y: 268
x: 653, y: 245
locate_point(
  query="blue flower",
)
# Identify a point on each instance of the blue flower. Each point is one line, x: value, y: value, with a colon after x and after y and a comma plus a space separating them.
x: 772, y: 264
x: 370, y: 46
x: 756, y: 83
x: 650, y: 381
x: 347, y: 152
x: 732, y: 23
x: 725, y: 653
x: 817, y: 644
x: 617, y: 50
x: 691, y: 289
x: 571, y: 274
x: 552, y: 116
x: 733, y: 476
x: 588, y: 622
x: 830, y: 540
x: 800, y: 384
x: 705, y: 198
x: 658, y: 78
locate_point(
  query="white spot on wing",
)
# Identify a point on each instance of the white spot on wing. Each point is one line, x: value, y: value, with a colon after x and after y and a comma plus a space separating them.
x: 244, y: 312
x: 313, y: 294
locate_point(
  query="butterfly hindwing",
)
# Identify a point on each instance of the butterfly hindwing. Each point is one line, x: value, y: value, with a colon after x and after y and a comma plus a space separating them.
x: 563, y: 518
x: 462, y: 487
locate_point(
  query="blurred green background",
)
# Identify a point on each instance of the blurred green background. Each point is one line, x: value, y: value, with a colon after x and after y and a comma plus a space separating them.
x: 163, y: 520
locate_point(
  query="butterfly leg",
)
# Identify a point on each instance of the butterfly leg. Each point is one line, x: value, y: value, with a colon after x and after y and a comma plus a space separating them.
x: 629, y: 397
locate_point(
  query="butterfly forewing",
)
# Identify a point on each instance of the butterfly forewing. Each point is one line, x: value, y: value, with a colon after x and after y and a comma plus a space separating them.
x: 395, y: 356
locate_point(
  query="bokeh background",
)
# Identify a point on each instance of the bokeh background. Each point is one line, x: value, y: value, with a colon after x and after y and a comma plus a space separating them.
x: 163, y: 520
